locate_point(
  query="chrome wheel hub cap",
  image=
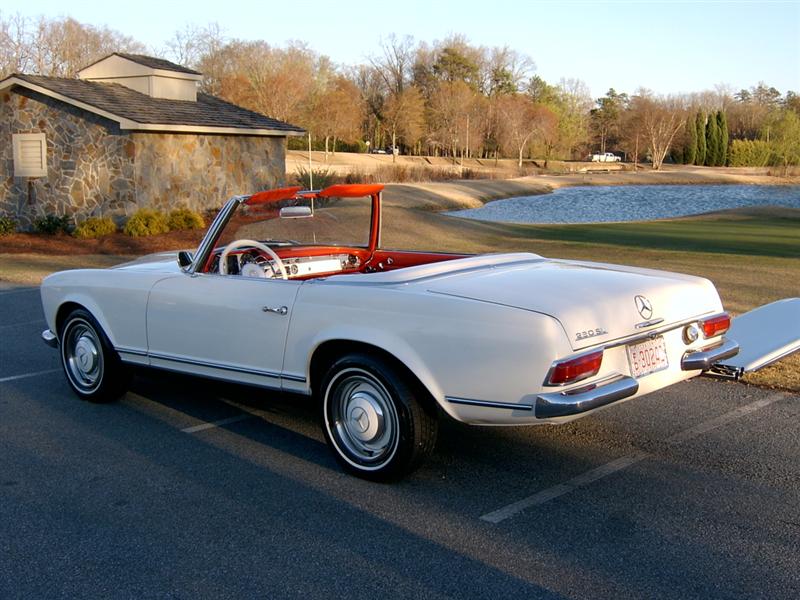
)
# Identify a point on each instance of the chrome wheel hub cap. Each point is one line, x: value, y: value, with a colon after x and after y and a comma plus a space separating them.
x: 363, y: 417
x: 86, y: 355
x: 83, y: 357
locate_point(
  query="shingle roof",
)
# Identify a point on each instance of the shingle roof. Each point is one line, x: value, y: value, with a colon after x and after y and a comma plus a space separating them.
x: 208, y: 111
x: 156, y: 63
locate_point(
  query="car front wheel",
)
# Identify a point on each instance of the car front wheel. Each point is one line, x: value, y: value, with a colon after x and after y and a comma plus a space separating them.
x: 379, y: 424
x: 93, y: 368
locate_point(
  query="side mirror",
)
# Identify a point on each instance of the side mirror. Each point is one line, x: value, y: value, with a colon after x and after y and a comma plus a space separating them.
x: 296, y: 212
x: 185, y: 259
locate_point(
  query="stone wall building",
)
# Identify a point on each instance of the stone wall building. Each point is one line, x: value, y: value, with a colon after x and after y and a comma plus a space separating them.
x: 131, y: 131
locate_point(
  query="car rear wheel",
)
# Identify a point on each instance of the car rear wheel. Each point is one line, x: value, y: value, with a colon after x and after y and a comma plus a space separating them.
x: 93, y: 368
x: 379, y: 424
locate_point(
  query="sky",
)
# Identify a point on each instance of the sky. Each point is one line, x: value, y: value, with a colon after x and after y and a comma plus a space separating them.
x: 668, y: 47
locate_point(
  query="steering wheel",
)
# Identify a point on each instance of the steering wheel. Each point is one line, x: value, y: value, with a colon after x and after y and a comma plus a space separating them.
x: 223, y: 259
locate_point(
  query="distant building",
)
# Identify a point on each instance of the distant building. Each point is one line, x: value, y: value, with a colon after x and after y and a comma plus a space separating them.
x: 130, y: 131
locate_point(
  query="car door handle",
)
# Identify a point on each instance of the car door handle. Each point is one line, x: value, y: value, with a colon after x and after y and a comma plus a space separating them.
x: 279, y: 310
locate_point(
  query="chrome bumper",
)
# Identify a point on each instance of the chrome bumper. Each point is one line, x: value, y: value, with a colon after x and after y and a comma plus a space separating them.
x: 581, y: 400
x: 704, y: 359
x: 50, y: 338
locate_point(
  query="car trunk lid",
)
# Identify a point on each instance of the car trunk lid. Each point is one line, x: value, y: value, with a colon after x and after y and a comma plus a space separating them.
x: 595, y: 303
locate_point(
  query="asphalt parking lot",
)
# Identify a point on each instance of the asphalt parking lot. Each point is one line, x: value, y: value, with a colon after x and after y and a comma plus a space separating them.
x: 192, y: 489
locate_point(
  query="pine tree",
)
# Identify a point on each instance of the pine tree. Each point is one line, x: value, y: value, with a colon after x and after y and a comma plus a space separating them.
x: 700, y: 125
x: 724, y: 136
x: 690, y: 150
x: 712, y: 141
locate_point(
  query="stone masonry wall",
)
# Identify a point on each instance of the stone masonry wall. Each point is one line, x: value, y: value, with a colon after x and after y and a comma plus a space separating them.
x: 202, y: 171
x: 94, y: 169
x: 90, y: 167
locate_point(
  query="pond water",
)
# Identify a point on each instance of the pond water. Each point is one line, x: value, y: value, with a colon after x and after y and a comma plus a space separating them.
x: 594, y: 204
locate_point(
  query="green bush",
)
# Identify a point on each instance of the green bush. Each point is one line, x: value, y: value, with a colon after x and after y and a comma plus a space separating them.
x: 146, y: 221
x: 52, y: 224
x: 749, y: 153
x: 7, y: 225
x: 95, y: 227
x: 183, y: 218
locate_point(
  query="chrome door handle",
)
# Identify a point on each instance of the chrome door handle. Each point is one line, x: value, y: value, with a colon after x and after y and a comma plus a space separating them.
x: 279, y: 310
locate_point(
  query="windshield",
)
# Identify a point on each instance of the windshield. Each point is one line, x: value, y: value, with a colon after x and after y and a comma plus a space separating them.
x: 325, y: 221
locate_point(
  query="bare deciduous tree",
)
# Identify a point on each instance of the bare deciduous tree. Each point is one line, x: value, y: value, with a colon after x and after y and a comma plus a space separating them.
x: 403, y: 116
x: 659, y: 120
x: 56, y: 47
x: 519, y: 120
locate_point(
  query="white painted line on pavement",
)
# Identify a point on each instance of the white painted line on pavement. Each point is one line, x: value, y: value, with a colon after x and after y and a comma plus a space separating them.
x: 707, y: 426
x: 212, y: 425
x: 27, y: 375
x: 22, y: 291
x: 624, y: 462
x: 42, y: 321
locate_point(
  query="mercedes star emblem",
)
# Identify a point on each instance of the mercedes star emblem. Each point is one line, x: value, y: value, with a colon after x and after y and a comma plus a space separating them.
x: 643, y: 306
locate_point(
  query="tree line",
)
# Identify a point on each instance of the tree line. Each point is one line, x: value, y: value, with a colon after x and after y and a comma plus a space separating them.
x: 445, y: 98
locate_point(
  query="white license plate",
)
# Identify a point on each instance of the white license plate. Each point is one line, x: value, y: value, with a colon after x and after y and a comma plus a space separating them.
x: 647, y: 357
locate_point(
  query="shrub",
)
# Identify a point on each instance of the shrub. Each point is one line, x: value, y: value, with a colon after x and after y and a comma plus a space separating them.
x: 322, y: 178
x: 95, y: 227
x: 750, y: 153
x: 146, y: 221
x: 184, y: 218
x: 52, y: 224
x: 7, y: 225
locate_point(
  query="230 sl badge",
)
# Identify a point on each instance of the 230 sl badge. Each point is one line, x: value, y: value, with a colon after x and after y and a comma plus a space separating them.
x: 582, y: 335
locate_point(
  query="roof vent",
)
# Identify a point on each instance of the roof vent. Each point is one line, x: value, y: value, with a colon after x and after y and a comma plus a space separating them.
x: 156, y: 77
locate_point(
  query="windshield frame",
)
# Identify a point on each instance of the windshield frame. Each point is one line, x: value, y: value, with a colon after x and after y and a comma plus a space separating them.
x: 205, y: 251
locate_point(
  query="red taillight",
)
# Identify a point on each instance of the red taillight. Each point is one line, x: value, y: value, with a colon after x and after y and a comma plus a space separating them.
x: 715, y: 325
x: 575, y: 369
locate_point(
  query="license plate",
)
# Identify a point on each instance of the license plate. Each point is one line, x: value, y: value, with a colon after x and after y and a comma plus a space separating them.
x: 647, y: 357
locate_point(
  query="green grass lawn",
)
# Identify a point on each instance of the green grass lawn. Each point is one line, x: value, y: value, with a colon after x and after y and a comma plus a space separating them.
x: 745, y: 235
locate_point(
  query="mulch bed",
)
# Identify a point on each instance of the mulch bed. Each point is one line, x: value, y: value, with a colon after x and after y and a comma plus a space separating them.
x: 117, y: 243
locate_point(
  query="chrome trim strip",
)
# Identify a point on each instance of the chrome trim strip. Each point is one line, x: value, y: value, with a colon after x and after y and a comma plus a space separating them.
x: 650, y: 323
x: 50, y: 338
x: 486, y: 404
x: 132, y: 351
x: 636, y: 337
x: 219, y: 222
x: 214, y: 376
x: 584, y: 399
x: 290, y: 377
x: 704, y: 359
x: 212, y: 365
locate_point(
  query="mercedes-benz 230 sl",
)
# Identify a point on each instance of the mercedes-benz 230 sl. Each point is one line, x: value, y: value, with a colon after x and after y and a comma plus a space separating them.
x: 292, y: 290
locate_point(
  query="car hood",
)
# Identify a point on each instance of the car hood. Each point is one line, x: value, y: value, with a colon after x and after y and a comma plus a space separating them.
x: 595, y: 303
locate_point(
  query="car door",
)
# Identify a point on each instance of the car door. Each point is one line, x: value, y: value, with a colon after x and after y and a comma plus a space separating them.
x: 229, y: 327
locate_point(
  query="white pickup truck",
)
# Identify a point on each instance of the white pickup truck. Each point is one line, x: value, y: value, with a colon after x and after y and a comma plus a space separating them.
x: 605, y: 157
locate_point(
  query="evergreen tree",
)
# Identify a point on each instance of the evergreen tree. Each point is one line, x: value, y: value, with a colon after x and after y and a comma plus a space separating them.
x: 700, y: 125
x: 712, y: 141
x: 722, y: 123
x: 690, y: 150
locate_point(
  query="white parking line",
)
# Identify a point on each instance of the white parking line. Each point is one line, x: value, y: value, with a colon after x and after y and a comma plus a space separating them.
x: 584, y: 479
x: 22, y: 291
x: 42, y: 321
x: 220, y: 423
x: 27, y: 375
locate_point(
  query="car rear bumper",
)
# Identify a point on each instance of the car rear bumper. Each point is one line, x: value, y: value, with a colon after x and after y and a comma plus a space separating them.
x: 704, y: 359
x: 50, y: 338
x: 584, y: 399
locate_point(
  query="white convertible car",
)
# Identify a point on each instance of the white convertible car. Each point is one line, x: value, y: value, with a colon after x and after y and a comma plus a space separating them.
x: 291, y: 290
